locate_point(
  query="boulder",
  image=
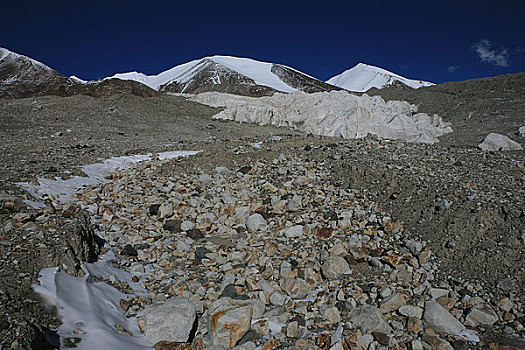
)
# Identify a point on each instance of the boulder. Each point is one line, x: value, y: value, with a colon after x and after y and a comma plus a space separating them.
x: 334, y: 267
x: 370, y: 317
x: 171, y: 321
x: 497, y: 142
x: 229, y: 320
x: 255, y: 222
x: 481, y: 315
x: 440, y: 320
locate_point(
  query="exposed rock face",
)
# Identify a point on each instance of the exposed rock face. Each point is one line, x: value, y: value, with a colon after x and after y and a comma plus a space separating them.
x: 301, y: 81
x: 335, y: 113
x: 21, y: 76
x: 211, y: 76
x: 497, y: 142
x: 80, y: 242
x: 233, y: 75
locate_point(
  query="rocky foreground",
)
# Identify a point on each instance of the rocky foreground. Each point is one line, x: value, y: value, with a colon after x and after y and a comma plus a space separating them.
x: 267, y: 249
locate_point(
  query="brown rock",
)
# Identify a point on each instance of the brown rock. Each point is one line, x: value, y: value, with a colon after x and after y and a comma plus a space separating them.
x: 393, y: 227
x: 229, y: 321
x: 392, y: 303
x: 323, y: 232
x: 171, y: 345
x: 507, y: 344
x: 447, y: 303
x: 272, y: 344
x: 359, y: 254
x: 124, y: 304
x: 356, y: 341
x: 414, y: 325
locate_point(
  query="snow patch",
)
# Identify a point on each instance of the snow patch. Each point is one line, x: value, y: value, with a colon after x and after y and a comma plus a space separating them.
x: 63, y: 191
x: 90, y: 311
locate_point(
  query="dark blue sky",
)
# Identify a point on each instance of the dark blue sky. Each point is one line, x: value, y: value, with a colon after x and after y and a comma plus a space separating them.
x: 429, y: 40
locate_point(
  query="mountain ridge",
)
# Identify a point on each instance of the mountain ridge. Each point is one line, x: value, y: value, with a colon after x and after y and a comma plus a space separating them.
x: 243, y: 76
x: 362, y: 77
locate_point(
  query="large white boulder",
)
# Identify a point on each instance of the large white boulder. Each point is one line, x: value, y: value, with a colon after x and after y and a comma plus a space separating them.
x: 497, y: 142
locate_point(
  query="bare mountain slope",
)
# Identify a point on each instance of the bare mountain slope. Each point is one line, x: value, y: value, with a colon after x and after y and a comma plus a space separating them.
x: 21, y: 76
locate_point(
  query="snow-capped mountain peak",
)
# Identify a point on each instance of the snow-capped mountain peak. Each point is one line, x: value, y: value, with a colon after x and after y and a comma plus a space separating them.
x: 236, y: 75
x: 363, y: 77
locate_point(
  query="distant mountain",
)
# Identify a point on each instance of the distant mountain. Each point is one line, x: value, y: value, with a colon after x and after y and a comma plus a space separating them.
x: 241, y: 76
x: 21, y: 76
x: 363, y: 77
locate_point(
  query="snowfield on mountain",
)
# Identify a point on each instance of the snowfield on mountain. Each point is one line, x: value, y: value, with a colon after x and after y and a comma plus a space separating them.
x: 363, y: 77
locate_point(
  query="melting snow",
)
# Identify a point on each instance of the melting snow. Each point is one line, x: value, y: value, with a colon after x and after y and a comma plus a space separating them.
x: 64, y: 190
x: 91, y: 310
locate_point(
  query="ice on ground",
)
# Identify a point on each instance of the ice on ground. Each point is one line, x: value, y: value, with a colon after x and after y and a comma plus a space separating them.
x: 334, y: 113
x: 90, y: 311
x: 104, y: 268
x: 63, y: 191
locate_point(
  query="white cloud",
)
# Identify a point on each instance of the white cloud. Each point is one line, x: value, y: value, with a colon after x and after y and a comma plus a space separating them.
x: 486, y: 54
x: 453, y: 68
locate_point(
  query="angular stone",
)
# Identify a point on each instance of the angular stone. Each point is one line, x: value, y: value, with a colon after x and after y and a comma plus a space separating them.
x: 154, y: 209
x: 370, y: 317
x: 294, y: 204
x: 392, y: 303
x: 481, y: 315
x: 295, y: 288
x: 437, y: 292
x: 414, y: 325
x: 334, y: 267
x: 172, y: 225
x: 411, y: 311
x: 293, y: 231
x: 440, y: 320
x: 332, y: 314
x: 229, y: 320
x: 255, y: 222
x: 171, y: 321
x: 165, y: 210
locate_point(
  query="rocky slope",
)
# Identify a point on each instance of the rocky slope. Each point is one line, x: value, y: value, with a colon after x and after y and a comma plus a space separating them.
x: 475, y: 108
x: 395, y: 245
x: 21, y: 76
x: 283, y: 245
x: 364, y: 77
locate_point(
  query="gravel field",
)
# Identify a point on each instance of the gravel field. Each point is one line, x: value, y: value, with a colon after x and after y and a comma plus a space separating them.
x: 418, y: 225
